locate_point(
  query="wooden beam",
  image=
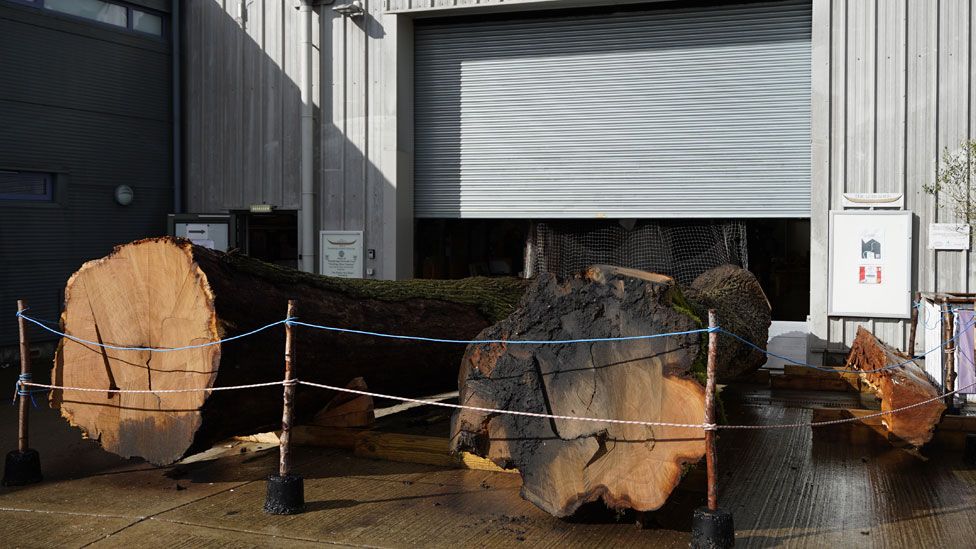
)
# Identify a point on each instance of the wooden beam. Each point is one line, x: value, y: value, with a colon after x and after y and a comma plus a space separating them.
x: 379, y: 445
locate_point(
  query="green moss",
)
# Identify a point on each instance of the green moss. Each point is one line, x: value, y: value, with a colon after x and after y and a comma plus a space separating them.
x: 680, y: 304
x: 495, y: 298
x: 699, y: 367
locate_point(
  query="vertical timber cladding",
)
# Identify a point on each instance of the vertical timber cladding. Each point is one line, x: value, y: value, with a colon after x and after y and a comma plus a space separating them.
x: 684, y: 112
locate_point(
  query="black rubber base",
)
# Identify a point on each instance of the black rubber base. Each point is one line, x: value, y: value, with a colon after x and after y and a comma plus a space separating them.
x: 286, y: 495
x: 22, y: 468
x: 969, y: 450
x: 712, y: 529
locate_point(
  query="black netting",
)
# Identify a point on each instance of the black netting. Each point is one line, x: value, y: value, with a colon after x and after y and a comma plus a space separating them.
x: 680, y: 249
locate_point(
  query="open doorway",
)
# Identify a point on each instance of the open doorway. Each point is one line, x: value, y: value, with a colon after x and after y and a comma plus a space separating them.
x: 270, y: 237
x: 779, y: 256
x: 458, y: 248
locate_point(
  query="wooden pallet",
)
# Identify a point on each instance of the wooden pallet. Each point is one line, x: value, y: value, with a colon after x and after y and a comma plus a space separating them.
x: 375, y: 444
x: 799, y: 378
x: 950, y: 432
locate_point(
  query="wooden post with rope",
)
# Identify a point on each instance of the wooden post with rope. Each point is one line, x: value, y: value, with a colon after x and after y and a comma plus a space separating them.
x: 23, y: 415
x: 23, y: 465
x: 711, y: 459
x: 286, y: 491
x: 711, y: 527
x: 916, y: 305
x: 288, y: 409
x: 949, y: 352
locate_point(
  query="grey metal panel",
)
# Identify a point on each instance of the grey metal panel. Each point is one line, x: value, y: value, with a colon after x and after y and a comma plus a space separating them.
x: 92, y: 105
x: 701, y: 112
x: 901, y: 91
x: 243, y: 106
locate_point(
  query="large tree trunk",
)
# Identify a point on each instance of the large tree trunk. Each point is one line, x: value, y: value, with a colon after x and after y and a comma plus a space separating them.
x: 168, y: 293
x: 902, y: 383
x: 566, y: 463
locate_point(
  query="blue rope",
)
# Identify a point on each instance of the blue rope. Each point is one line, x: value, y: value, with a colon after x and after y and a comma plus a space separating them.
x: 51, y: 322
x: 510, y: 341
x: 827, y: 368
x: 925, y: 317
x: 151, y: 349
x: 20, y: 389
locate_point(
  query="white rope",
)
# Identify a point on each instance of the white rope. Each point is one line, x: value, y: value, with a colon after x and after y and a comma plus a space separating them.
x: 703, y: 426
x: 850, y: 419
x: 509, y: 412
x: 154, y: 391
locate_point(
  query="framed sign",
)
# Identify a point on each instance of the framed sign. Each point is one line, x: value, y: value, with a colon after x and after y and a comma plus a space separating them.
x: 341, y: 253
x: 948, y: 236
x: 870, y: 273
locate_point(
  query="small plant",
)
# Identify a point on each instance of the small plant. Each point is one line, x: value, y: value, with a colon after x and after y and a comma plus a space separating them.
x: 954, y: 183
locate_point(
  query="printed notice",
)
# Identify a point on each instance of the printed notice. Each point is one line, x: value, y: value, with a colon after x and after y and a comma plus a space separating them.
x: 342, y: 253
x: 948, y: 236
x: 869, y: 274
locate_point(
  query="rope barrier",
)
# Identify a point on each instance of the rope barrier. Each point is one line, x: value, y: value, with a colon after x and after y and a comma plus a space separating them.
x: 153, y: 391
x: 24, y: 380
x: 703, y: 426
x: 506, y: 341
x: 150, y: 349
x: 846, y: 370
x: 292, y: 321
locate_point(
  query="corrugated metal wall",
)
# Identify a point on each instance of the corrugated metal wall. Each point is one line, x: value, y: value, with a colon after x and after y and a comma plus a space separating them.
x: 676, y: 113
x: 243, y: 104
x: 893, y: 86
x: 243, y: 118
x: 91, y: 104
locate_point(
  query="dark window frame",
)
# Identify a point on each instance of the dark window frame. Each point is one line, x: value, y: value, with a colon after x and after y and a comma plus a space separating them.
x: 128, y: 28
x: 48, y: 196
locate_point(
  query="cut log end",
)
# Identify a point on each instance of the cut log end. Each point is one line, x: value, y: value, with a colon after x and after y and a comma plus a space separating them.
x: 899, y: 382
x: 566, y: 463
x: 149, y: 295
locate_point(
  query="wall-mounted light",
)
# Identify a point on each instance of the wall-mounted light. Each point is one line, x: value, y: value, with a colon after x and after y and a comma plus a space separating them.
x: 352, y: 9
x: 124, y: 195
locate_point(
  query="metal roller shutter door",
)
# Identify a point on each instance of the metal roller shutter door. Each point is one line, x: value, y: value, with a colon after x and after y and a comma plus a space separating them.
x: 697, y: 112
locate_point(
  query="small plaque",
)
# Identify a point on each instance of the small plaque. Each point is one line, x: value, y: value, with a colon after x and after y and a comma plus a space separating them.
x: 948, y: 236
x: 341, y: 253
x: 873, y: 200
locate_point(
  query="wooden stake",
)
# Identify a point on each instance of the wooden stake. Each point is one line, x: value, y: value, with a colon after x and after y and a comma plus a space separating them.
x: 289, y: 396
x: 711, y: 459
x: 914, y: 324
x: 23, y: 441
x: 949, y: 334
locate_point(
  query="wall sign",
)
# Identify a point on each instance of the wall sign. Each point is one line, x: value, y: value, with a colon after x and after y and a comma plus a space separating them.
x: 873, y: 200
x: 870, y: 264
x: 341, y: 253
x: 948, y: 236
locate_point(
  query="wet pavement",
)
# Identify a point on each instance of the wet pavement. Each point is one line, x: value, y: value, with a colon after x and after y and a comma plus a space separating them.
x: 786, y: 488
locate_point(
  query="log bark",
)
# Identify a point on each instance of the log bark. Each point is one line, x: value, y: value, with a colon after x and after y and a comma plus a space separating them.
x: 168, y: 293
x: 566, y: 463
x: 903, y: 383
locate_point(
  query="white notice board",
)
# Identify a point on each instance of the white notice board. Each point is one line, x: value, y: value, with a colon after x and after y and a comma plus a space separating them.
x: 870, y: 264
x: 341, y: 253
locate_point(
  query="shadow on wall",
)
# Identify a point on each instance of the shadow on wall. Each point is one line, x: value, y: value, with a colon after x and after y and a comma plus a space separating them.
x: 243, y: 114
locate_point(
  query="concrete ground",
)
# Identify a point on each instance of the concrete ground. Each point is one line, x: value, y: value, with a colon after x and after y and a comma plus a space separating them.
x: 789, y: 488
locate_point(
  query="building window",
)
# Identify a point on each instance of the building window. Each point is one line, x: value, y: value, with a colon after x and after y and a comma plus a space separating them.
x: 114, y: 13
x: 29, y: 186
x: 96, y: 10
x: 147, y: 22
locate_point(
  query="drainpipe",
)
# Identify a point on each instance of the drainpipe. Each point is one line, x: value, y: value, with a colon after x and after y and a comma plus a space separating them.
x: 307, y: 212
x: 177, y: 105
